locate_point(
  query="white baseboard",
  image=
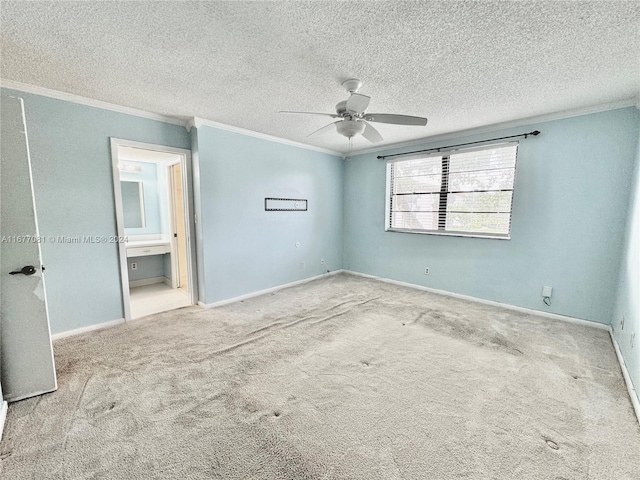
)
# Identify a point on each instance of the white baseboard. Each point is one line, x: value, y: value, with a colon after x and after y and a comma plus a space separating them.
x: 146, y: 281
x: 90, y: 328
x: 633, y: 393
x: 530, y: 311
x: 3, y: 417
x: 268, y: 290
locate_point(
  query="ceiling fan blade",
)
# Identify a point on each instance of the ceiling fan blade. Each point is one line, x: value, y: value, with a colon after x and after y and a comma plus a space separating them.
x: 395, y: 119
x: 324, y: 129
x: 371, y: 133
x: 357, y: 103
x: 332, y: 115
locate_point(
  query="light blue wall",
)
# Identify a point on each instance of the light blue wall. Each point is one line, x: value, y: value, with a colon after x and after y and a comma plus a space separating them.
x: 245, y: 248
x: 152, y: 190
x: 73, y: 181
x: 571, y: 194
x: 628, y: 298
x: 149, y: 266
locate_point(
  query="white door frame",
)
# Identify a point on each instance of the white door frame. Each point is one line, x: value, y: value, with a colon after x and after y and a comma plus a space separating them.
x: 185, y: 162
x: 175, y: 278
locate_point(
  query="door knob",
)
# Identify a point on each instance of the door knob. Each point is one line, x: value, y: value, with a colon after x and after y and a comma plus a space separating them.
x: 28, y: 270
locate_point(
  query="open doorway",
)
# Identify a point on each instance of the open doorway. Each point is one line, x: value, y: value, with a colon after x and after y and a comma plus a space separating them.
x: 153, y: 205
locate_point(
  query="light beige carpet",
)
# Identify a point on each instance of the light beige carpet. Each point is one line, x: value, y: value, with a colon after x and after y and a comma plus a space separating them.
x: 340, y: 378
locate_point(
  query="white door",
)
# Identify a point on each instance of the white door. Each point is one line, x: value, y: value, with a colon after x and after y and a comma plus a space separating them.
x: 179, y: 227
x: 26, y: 353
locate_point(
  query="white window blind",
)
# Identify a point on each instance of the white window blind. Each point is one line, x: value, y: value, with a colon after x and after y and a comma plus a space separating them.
x: 466, y: 192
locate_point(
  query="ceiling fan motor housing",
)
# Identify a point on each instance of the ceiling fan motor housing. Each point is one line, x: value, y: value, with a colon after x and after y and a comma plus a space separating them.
x: 352, y: 85
x: 341, y: 107
x: 350, y: 128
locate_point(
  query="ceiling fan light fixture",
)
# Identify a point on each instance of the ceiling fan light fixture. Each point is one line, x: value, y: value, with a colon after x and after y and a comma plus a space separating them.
x: 350, y: 128
x: 354, y: 119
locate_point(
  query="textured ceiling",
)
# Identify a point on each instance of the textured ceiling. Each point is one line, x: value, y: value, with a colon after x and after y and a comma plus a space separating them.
x: 461, y: 64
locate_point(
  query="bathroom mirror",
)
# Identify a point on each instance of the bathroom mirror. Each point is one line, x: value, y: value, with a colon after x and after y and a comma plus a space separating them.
x: 132, y: 204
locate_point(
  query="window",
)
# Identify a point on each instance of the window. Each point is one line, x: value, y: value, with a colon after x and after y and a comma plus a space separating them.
x: 460, y: 192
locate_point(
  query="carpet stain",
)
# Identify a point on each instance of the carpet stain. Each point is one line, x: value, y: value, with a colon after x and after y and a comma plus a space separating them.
x: 66, y: 367
x: 462, y: 329
x: 552, y: 445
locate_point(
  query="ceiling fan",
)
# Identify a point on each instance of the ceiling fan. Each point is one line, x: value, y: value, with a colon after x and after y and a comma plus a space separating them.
x: 355, y: 121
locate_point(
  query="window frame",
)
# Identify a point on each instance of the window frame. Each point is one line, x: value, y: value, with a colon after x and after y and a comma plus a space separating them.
x: 446, y: 153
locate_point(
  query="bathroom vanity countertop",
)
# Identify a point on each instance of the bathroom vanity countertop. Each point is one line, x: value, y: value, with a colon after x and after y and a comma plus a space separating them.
x: 143, y: 248
x: 146, y: 243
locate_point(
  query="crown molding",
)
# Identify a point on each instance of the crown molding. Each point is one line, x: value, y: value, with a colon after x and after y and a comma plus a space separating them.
x: 187, y: 123
x: 577, y: 112
x: 192, y: 122
x: 70, y: 97
x: 198, y: 122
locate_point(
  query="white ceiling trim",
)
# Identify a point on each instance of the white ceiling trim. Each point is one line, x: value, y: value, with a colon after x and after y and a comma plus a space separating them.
x: 199, y: 122
x: 194, y: 121
x: 631, y: 102
x: 70, y: 97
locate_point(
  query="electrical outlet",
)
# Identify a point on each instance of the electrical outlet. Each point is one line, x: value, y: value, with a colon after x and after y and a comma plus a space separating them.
x: 301, y: 265
x: 426, y: 270
x: 546, y: 291
x: 134, y: 266
x: 622, y: 323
